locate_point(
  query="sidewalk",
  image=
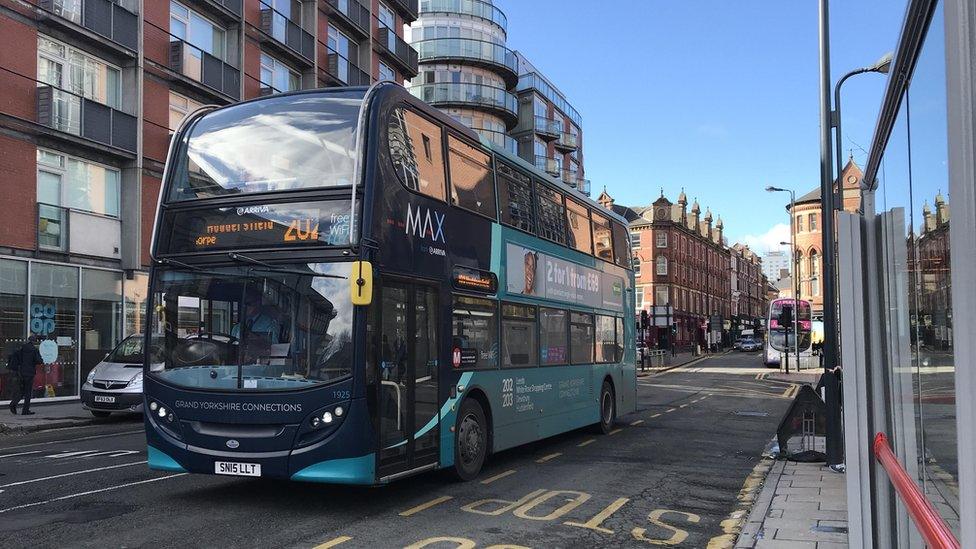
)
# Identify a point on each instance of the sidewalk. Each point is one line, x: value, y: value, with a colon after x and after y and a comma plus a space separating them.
x: 47, y: 416
x: 679, y: 359
x: 802, y: 505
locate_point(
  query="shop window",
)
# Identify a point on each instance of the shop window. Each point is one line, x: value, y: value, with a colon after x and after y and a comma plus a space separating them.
x: 581, y: 338
x: 602, y: 238
x: 519, y: 347
x: 552, y: 216
x: 13, y: 316
x: 475, y: 332
x: 515, y: 197
x: 552, y: 330
x: 606, y: 339
x: 101, y: 315
x: 472, y: 187
x: 578, y: 223
x: 53, y: 316
x: 415, y: 146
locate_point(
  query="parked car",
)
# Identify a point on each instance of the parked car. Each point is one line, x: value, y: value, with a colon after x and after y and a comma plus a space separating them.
x: 115, y: 383
x: 749, y: 345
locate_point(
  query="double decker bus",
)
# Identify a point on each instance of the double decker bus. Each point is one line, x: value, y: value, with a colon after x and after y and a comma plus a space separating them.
x: 781, y: 337
x: 349, y: 287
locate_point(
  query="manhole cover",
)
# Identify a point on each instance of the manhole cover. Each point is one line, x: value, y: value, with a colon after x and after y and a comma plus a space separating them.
x: 751, y: 413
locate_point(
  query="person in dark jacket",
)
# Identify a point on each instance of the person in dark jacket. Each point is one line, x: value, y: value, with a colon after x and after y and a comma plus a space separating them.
x: 29, y: 357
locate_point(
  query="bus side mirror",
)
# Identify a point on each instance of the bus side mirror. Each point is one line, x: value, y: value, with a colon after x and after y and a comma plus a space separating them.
x: 361, y: 283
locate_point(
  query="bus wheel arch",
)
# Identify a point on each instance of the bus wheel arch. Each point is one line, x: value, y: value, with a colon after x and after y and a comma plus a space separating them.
x: 479, y: 395
x: 472, y: 436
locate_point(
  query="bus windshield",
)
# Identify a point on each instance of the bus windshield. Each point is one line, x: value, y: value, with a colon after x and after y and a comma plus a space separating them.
x: 782, y: 341
x: 253, y: 328
x: 281, y: 143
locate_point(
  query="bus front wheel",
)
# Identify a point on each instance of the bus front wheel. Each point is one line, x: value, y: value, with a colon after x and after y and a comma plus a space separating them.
x: 608, y: 409
x: 470, y: 440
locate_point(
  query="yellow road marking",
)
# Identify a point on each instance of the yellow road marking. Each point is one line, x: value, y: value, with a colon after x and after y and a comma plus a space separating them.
x: 585, y: 442
x: 333, y: 542
x: 425, y: 506
x: 732, y: 526
x: 489, y: 480
x: 638, y: 422
x: 656, y: 415
x: 615, y: 431
x: 544, y: 459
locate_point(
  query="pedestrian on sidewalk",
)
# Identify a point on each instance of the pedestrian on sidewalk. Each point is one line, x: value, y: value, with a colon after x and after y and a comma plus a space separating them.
x: 24, y: 362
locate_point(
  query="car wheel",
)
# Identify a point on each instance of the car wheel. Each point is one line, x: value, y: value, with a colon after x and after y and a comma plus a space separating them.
x: 470, y: 440
x: 99, y: 413
x: 608, y: 409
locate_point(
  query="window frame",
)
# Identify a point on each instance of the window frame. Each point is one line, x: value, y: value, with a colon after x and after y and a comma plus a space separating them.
x: 275, y: 62
x: 658, y: 265
x: 589, y: 222
x: 661, y: 242
x: 450, y: 134
x: 187, y: 23
x: 443, y: 150
x: 532, y: 195
x: 494, y: 325
x: 562, y: 216
x: 537, y: 348
x: 539, y: 314
x: 63, y: 173
x: 609, y: 225
x: 65, y: 63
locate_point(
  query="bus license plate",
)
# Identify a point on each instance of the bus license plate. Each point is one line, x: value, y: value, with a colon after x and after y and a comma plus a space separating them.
x: 104, y: 398
x: 238, y: 469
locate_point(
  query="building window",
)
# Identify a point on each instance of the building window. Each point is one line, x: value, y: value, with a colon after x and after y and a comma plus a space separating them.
x: 519, y: 347
x: 341, y: 45
x: 636, y: 265
x: 415, y: 147
x: 661, y: 296
x: 552, y: 329
x: 662, y: 239
x: 472, y: 187
x: 386, y: 73
x: 65, y: 182
x: 662, y: 265
x: 812, y: 222
x: 635, y: 239
x: 814, y: 273
x: 278, y: 77
x: 475, y: 331
x: 75, y: 74
x: 198, y: 31
x: 179, y: 108
x: 799, y: 223
x: 639, y: 298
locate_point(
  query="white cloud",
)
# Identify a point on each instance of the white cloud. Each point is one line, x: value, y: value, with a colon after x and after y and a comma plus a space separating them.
x: 768, y: 240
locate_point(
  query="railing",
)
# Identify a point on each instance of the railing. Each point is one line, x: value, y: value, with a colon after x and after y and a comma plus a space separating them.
x: 532, y: 81
x: 477, y: 51
x: 571, y: 177
x: 471, y: 94
x: 474, y: 8
x: 233, y: 6
x: 354, y: 12
x: 101, y: 17
x: 409, y: 7
x: 502, y: 139
x: 287, y: 33
x: 69, y: 112
x: 344, y: 70
x: 568, y: 140
x: 927, y: 520
x: 547, y: 164
x: 548, y: 126
x: 209, y: 70
x: 405, y: 55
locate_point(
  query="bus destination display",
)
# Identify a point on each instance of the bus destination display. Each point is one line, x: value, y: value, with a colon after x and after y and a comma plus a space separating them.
x: 260, y: 226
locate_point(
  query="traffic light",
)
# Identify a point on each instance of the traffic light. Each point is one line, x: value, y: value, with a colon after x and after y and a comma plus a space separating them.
x: 644, y: 321
x: 786, y: 317
x: 674, y: 328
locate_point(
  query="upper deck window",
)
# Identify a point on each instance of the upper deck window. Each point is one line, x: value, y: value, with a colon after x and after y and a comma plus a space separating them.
x: 415, y: 147
x: 293, y: 142
x: 578, y: 220
x: 602, y: 239
x: 515, y: 196
x: 471, y: 184
x: 552, y: 215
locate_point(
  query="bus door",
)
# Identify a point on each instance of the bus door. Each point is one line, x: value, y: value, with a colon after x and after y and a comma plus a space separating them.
x: 407, y: 374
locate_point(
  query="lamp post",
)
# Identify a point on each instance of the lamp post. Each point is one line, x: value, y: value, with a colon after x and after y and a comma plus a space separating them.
x: 796, y: 271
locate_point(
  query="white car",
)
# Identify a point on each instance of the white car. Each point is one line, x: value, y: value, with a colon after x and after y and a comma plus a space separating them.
x: 115, y: 383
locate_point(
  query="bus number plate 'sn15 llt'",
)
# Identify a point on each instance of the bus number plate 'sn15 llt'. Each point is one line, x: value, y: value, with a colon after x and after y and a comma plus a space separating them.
x: 238, y: 469
x: 259, y: 226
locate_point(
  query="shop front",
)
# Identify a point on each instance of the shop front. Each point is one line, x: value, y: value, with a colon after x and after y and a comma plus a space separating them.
x: 80, y: 313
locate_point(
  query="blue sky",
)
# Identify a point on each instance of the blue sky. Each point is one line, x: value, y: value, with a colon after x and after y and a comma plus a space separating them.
x: 718, y: 97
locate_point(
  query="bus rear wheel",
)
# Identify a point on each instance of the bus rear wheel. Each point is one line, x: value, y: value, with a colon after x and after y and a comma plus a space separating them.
x: 608, y: 409
x: 470, y: 441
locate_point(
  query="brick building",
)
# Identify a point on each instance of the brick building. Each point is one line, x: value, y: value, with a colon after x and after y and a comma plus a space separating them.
x: 93, y: 89
x: 931, y: 287
x: 680, y: 260
x: 748, y: 286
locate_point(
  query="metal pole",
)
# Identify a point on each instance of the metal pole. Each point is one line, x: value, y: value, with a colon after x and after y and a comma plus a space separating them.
x: 796, y: 284
x: 835, y: 441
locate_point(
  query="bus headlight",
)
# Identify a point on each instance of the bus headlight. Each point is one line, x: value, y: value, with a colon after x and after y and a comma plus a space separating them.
x: 320, y: 424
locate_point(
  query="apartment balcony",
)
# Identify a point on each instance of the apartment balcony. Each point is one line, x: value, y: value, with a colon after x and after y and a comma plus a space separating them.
x: 229, y: 11
x: 497, y: 101
x: 567, y: 142
x: 73, y: 114
x: 409, y: 9
x: 345, y: 72
x: 547, y: 128
x: 104, y: 18
x: 78, y: 232
x: 286, y: 36
x: 547, y: 165
x: 199, y: 66
x: 355, y: 15
x: 404, y: 56
x: 472, y: 8
x: 487, y: 55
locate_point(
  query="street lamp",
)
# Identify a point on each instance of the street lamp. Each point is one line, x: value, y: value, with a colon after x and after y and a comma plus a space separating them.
x: 796, y: 272
x: 881, y: 67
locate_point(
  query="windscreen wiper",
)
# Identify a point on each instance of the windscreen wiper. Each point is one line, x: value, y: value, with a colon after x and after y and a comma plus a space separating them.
x: 165, y: 261
x: 267, y: 267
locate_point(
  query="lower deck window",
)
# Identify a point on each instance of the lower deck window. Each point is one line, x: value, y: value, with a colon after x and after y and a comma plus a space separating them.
x: 519, y: 347
x: 581, y: 338
x: 552, y: 328
x: 475, y: 332
x: 606, y: 339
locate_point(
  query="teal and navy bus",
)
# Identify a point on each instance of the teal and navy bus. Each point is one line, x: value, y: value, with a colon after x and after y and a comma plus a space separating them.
x: 348, y: 286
